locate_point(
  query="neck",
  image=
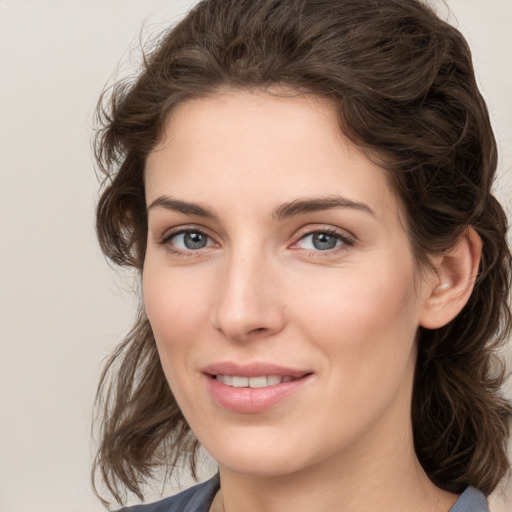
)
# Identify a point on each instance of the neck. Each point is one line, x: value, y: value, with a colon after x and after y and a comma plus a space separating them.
x: 369, y: 476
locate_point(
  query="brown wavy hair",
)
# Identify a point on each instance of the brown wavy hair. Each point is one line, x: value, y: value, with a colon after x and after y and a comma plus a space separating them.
x: 403, y: 83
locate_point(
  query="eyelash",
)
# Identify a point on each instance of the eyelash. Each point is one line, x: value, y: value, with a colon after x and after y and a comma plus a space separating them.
x: 346, y: 241
x: 179, y: 252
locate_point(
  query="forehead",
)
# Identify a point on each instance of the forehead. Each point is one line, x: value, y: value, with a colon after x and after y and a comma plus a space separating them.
x: 244, y: 147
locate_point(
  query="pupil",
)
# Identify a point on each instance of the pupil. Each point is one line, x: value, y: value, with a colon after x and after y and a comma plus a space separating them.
x: 194, y: 240
x: 323, y: 241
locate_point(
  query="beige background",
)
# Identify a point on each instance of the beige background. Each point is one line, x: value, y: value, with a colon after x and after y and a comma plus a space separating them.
x: 61, y: 308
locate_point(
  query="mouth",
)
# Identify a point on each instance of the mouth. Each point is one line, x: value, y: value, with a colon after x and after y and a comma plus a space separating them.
x: 255, y: 387
x: 262, y: 381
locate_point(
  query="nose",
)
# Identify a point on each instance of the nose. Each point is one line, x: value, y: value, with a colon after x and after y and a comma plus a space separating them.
x: 249, y: 305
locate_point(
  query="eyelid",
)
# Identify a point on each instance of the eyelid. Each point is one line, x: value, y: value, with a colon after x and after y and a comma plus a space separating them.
x: 346, y: 238
x: 178, y: 230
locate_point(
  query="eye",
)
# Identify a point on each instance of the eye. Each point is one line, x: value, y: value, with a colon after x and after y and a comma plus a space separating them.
x: 323, y: 241
x: 188, y: 240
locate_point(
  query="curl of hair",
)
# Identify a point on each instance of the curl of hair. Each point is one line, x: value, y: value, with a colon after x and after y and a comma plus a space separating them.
x: 403, y: 83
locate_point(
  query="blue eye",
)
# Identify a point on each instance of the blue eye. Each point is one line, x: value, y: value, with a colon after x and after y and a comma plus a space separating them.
x: 323, y: 241
x: 191, y: 240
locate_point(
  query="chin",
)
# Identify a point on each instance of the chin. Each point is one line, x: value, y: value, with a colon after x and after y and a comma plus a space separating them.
x: 257, y: 458
x: 262, y: 456
x: 261, y: 466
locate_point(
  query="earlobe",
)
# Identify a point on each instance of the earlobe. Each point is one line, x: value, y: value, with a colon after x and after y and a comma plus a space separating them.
x: 453, y: 280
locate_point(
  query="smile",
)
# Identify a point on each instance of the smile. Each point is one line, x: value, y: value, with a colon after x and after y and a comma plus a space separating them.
x: 254, y: 388
x: 263, y: 381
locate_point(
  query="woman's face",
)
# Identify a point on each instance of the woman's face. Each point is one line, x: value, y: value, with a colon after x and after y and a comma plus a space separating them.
x: 280, y: 284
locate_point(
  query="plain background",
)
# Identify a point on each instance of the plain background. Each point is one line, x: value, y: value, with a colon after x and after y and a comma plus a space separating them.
x: 62, y: 309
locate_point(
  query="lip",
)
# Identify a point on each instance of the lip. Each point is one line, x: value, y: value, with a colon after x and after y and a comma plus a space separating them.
x: 252, y: 400
x: 252, y: 369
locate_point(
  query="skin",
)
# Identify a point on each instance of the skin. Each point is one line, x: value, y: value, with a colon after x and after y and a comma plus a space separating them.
x: 260, y: 290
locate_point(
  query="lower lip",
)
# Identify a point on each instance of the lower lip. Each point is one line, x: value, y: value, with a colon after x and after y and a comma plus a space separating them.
x: 253, y: 400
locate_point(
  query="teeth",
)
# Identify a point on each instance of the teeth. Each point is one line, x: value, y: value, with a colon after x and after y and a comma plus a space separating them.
x: 273, y: 380
x: 240, y: 382
x: 258, y: 382
x: 262, y: 381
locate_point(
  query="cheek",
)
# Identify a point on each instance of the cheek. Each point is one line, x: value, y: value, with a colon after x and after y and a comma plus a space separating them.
x: 366, y: 322
x: 358, y: 299
x: 177, y: 306
x: 364, y: 331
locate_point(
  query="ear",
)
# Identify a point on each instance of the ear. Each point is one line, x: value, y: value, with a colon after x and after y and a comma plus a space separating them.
x: 452, y: 281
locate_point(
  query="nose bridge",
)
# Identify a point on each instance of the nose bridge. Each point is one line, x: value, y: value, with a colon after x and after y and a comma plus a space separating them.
x: 247, y: 303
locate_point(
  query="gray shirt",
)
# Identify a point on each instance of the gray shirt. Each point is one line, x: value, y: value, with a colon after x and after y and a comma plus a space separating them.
x: 199, y: 499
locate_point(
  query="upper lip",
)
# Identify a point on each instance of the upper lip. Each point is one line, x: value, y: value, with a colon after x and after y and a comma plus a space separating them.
x: 256, y: 369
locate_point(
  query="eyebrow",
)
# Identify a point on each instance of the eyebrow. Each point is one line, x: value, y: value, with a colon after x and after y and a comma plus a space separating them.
x: 182, y: 206
x: 315, y: 204
x: 283, y: 211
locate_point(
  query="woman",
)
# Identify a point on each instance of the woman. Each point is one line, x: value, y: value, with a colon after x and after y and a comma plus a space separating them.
x: 304, y: 187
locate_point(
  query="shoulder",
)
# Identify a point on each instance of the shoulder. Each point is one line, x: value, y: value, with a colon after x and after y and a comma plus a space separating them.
x: 471, y: 500
x: 195, y: 499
